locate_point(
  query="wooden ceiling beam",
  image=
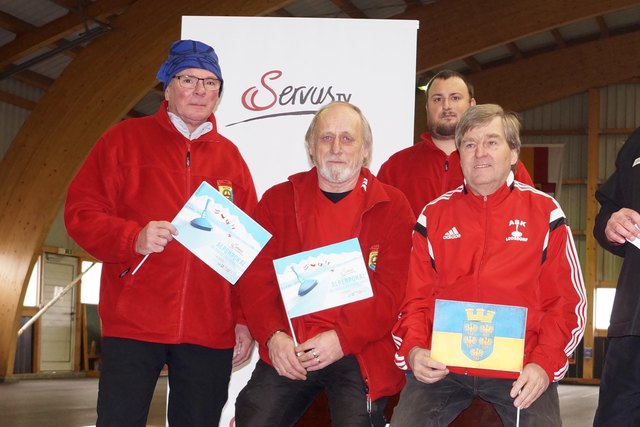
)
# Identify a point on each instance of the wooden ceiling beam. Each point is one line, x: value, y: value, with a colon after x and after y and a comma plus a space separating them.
x: 473, y: 64
x: 30, y: 42
x: 450, y: 30
x: 349, y: 8
x: 18, y: 26
x: 558, y: 38
x: 602, y: 25
x: 560, y: 73
x: 34, y: 79
x: 412, y: 4
x: 71, y: 5
x: 281, y: 13
x: 513, y: 49
x: 15, y: 25
x: 17, y: 101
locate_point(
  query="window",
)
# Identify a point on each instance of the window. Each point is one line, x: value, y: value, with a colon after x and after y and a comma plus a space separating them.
x: 604, y: 304
x: 31, y: 295
x: 90, y: 289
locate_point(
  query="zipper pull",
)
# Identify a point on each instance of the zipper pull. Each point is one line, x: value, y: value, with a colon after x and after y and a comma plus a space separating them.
x: 188, y: 159
x: 446, y: 165
x: 366, y: 390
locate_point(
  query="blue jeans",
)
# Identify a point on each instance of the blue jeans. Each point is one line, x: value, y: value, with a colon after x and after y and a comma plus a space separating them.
x: 619, y: 399
x: 198, y: 380
x: 438, y: 404
x: 269, y: 399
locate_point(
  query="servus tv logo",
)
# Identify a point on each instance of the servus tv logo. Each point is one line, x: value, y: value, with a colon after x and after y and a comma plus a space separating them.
x: 275, y: 97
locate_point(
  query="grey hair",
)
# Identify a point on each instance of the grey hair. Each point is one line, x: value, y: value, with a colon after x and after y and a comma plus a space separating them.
x: 310, y: 136
x: 480, y: 115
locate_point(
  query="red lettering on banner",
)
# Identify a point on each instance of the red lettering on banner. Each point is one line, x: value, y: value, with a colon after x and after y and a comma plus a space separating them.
x: 249, y: 95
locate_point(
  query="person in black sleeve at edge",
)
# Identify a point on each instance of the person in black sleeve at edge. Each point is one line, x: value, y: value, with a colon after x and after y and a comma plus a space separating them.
x: 616, y: 229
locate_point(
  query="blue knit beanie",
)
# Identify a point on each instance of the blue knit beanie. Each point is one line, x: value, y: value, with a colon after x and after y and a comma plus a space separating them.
x: 189, y: 54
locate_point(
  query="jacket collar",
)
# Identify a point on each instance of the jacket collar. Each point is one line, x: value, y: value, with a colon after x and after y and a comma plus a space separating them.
x: 305, y: 185
x: 163, y: 119
x: 497, y: 196
x: 305, y: 182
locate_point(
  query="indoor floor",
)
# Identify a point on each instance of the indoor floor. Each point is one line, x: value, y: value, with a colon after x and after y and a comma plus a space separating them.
x: 71, y: 403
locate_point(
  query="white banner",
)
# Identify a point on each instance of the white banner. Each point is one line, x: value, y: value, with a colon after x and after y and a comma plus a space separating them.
x: 279, y: 71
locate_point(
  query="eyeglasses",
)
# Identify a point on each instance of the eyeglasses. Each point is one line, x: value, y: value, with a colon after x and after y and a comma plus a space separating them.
x: 190, y: 82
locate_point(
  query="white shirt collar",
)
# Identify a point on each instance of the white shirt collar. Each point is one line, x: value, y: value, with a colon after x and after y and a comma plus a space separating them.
x: 184, y: 130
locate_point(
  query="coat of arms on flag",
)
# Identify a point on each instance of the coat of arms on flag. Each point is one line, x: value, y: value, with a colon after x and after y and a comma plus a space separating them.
x: 476, y: 335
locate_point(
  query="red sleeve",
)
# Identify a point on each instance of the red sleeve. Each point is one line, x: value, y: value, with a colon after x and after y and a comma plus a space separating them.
x: 90, y: 213
x: 563, y: 302
x: 413, y: 327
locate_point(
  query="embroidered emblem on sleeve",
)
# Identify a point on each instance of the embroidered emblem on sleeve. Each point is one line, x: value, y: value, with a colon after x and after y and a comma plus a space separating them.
x: 373, y: 257
x: 225, y: 188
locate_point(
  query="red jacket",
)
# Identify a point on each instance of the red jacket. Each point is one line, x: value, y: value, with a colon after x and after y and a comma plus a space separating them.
x: 363, y: 327
x: 423, y: 172
x: 464, y: 249
x: 140, y: 170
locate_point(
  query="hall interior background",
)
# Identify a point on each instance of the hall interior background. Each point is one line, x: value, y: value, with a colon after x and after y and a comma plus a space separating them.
x: 569, y: 68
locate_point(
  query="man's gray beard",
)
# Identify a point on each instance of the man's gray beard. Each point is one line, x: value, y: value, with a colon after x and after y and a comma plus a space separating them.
x: 337, y: 175
x: 443, y: 131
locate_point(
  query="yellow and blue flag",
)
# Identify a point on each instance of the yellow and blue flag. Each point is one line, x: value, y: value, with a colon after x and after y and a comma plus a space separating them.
x: 481, y: 336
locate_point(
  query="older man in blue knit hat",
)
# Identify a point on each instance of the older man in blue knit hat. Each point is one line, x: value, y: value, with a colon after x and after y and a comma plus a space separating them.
x: 172, y: 309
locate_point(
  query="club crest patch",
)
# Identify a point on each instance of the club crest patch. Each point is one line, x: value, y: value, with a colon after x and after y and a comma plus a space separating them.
x: 517, y: 234
x: 373, y: 257
x: 225, y: 188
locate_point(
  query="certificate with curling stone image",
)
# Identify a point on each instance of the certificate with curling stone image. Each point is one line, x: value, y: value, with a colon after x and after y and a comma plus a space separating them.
x: 219, y: 233
x: 323, y: 278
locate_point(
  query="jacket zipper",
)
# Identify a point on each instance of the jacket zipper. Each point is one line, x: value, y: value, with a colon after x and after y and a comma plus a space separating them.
x: 485, y: 215
x: 360, y: 360
x: 188, y: 263
x: 445, y: 181
x: 366, y: 383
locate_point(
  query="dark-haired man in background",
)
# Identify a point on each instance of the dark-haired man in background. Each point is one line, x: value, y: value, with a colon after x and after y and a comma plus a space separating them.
x: 431, y: 167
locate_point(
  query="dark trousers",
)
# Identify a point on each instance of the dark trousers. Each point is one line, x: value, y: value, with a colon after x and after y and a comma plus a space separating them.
x: 198, y: 381
x: 438, y: 404
x: 619, y: 399
x: 269, y: 399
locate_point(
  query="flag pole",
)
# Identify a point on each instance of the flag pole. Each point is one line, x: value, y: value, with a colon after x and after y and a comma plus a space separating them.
x: 293, y: 334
